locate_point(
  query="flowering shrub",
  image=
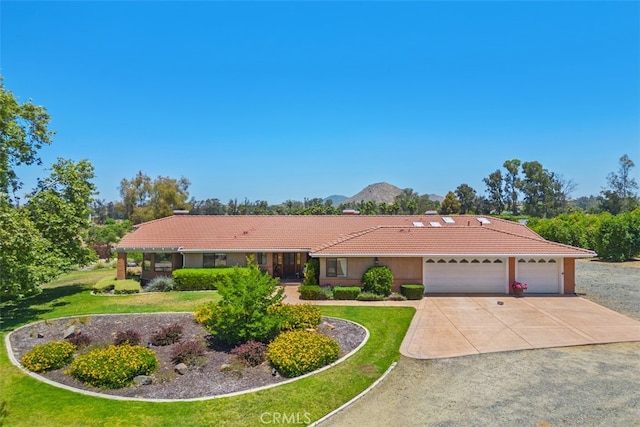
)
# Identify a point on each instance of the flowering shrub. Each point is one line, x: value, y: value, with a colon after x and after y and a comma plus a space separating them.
x: 204, y: 313
x: 129, y: 336
x: 296, y: 353
x: 49, y: 356
x: 188, y: 352
x: 251, y: 353
x: 114, y: 366
x: 298, y: 316
x: 519, y: 285
x: 167, y: 335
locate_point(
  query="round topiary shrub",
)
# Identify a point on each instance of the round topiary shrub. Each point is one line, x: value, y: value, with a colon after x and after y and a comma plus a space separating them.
x: 49, y: 356
x: 298, y: 352
x: 378, y: 280
x: 114, y: 366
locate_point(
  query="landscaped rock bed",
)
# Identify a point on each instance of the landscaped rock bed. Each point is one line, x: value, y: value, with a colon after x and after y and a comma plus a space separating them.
x: 220, y: 373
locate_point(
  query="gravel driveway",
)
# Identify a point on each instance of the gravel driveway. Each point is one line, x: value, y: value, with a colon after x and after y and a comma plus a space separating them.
x: 574, y: 386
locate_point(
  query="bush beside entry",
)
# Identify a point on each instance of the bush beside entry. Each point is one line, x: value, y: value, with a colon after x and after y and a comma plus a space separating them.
x: 378, y: 280
x: 412, y: 291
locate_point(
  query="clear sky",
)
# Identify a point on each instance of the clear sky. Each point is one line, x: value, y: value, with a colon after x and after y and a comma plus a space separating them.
x: 279, y: 100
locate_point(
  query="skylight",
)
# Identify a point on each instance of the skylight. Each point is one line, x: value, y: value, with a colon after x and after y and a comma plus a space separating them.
x: 435, y: 224
x: 418, y: 224
x: 448, y: 220
x: 483, y: 221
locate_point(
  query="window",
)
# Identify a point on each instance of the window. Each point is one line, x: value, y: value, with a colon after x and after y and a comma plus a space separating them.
x: 336, y: 267
x: 162, y: 262
x: 261, y: 258
x: 146, y: 262
x: 214, y: 260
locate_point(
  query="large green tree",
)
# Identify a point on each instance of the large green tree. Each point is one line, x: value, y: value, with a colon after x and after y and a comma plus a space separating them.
x: 544, y: 191
x: 60, y: 209
x: 450, y: 205
x: 23, y: 131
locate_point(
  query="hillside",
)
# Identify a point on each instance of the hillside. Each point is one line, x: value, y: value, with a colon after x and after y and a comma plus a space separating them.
x: 379, y: 192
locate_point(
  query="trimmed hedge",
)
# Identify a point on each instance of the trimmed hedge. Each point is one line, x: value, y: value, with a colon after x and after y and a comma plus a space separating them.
x: 108, y: 284
x: 296, y: 353
x: 346, y: 292
x: 310, y: 292
x: 412, y: 291
x: 201, y: 279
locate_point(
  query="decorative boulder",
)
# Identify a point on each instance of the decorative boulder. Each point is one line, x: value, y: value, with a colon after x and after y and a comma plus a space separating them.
x: 181, y: 368
x: 142, y: 380
x: 69, y: 332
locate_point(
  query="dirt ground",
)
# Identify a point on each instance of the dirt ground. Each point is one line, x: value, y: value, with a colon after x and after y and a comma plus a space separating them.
x: 573, y: 386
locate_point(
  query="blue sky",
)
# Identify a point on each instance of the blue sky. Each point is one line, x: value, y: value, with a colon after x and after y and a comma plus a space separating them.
x: 279, y: 100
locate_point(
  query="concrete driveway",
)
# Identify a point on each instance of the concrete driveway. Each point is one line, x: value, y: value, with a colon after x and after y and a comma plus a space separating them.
x: 450, y: 326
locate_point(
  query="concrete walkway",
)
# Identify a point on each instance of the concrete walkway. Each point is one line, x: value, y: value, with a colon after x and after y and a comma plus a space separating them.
x: 450, y: 326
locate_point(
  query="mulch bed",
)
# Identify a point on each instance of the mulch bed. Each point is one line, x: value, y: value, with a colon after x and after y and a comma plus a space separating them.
x: 206, y: 379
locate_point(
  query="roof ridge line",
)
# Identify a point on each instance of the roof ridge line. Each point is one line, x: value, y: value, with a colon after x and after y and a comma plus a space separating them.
x: 345, y: 238
x: 538, y: 240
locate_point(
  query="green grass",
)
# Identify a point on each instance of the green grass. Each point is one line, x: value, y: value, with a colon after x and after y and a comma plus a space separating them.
x: 29, y: 401
x: 127, y: 285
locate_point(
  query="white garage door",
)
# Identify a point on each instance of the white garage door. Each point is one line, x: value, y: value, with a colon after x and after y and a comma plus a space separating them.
x: 542, y: 275
x: 468, y: 275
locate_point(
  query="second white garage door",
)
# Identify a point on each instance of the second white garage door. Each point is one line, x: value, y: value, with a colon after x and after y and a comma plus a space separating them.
x: 465, y: 275
x: 542, y: 275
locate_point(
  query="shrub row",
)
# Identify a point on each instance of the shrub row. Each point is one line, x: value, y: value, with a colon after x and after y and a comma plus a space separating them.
x: 311, y: 292
x: 114, y: 366
x: 346, y: 292
x: 200, y: 279
x: 296, y: 353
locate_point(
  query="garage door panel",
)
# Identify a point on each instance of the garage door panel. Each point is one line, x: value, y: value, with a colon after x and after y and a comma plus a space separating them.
x: 540, y: 275
x: 467, y: 277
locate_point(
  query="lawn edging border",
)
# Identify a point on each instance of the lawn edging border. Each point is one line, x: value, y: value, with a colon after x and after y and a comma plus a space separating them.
x: 355, y: 399
x: 16, y: 363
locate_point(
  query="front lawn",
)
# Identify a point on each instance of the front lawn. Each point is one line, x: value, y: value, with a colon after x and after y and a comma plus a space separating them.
x: 29, y: 401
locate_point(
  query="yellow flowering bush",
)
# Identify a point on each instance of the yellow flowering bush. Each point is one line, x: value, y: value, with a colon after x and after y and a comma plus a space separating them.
x: 49, y: 356
x: 204, y: 313
x: 298, y: 352
x: 114, y: 366
x: 297, y: 316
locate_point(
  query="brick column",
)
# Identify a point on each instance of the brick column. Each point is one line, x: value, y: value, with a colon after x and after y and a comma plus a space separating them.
x: 512, y: 272
x: 122, y: 266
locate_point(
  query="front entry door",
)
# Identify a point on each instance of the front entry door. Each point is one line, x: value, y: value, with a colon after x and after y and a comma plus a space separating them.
x: 289, y: 264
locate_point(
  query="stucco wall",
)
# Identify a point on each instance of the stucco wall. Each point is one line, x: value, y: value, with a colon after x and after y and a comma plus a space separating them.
x: 405, y: 270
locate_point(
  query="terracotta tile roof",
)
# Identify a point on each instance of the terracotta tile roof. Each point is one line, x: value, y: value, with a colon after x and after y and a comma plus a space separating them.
x: 329, y: 234
x: 451, y: 241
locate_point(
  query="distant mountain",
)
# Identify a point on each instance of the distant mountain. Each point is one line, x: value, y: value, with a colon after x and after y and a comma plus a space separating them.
x: 379, y: 192
x: 436, y: 198
x: 336, y: 199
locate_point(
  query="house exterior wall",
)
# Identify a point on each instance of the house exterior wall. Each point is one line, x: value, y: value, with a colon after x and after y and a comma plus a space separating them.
x: 405, y: 270
x: 569, y: 284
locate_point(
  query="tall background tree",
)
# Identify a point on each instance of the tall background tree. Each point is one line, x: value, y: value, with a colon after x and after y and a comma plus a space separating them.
x: 494, y: 184
x: 467, y: 197
x: 511, y: 184
x: 144, y: 199
x: 23, y: 131
x: 620, y: 194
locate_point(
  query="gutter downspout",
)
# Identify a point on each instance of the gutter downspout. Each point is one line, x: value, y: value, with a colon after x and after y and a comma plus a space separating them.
x: 180, y: 250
